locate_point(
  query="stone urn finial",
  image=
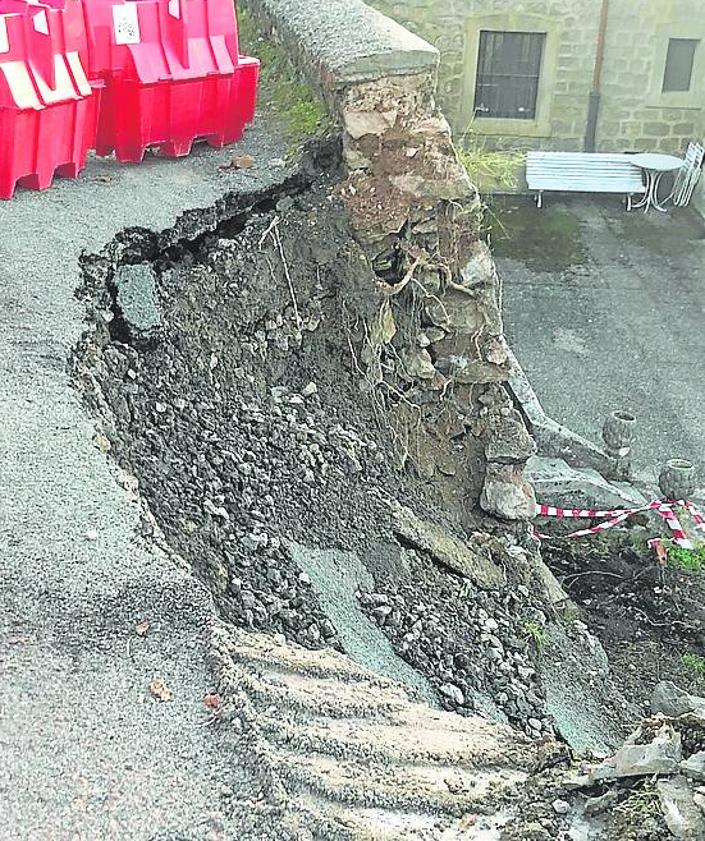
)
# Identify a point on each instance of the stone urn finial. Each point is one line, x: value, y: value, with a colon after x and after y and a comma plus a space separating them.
x: 677, y: 479
x: 618, y: 433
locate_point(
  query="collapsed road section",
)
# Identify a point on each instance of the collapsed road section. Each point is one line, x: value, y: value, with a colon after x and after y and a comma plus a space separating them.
x: 307, y: 395
x: 228, y: 375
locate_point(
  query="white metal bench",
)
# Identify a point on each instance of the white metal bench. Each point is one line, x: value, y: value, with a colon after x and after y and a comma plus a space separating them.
x: 582, y: 172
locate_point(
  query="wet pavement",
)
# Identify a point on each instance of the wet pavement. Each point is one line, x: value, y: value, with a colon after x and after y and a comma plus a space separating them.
x: 604, y: 310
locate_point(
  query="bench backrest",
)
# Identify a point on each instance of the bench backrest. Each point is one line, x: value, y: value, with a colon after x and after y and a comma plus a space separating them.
x: 590, y: 172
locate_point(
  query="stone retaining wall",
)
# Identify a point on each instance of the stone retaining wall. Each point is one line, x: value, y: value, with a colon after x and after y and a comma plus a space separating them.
x: 433, y: 340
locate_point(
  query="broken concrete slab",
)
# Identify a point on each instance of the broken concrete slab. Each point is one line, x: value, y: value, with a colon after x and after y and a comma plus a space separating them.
x: 694, y: 766
x: 572, y: 669
x: 136, y: 299
x: 336, y: 576
x: 474, y: 560
x: 557, y: 483
x: 553, y: 439
x: 671, y: 700
x: 660, y: 756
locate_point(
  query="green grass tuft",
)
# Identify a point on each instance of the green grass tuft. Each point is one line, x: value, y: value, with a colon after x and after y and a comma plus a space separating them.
x: 696, y: 665
x: 282, y: 91
x: 489, y: 166
x: 688, y: 559
x: 537, y: 635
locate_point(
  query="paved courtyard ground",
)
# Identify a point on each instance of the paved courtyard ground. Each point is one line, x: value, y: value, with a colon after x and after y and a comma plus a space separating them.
x: 605, y: 310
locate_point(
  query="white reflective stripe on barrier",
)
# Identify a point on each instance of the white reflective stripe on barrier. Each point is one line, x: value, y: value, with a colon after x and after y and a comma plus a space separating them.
x: 4, y: 41
x: 40, y: 22
x: 63, y: 89
x: 79, y: 74
x: 20, y: 84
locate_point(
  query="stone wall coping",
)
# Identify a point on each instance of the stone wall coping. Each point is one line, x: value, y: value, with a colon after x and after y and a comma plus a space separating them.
x: 346, y: 40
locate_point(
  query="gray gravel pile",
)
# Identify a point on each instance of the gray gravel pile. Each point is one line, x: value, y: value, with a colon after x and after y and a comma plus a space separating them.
x: 471, y: 643
x: 243, y: 420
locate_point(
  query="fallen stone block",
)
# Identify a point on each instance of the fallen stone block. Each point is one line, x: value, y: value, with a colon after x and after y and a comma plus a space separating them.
x: 475, y: 562
x: 507, y: 494
x: 660, y: 756
x: 694, y: 766
x: 683, y: 817
x: 510, y: 442
x: 669, y: 699
x: 598, y: 805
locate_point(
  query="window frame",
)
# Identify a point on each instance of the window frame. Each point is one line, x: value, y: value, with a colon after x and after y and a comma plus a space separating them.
x: 695, y: 42
x: 550, y: 27
x: 532, y: 81
x: 690, y: 99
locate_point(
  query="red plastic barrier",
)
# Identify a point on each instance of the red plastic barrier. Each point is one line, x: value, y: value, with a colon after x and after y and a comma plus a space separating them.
x: 172, y: 73
x: 48, y: 109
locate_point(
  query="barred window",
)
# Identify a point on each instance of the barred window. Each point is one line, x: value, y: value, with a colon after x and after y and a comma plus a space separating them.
x: 508, y: 73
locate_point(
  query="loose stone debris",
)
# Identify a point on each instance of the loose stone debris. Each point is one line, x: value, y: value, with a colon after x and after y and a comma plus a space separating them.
x: 247, y: 432
x: 315, y: 385
x: 238, y: 416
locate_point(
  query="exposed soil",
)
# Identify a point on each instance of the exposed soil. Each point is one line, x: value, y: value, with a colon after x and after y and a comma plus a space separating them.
x: 646, y: 616
x: 241, y: 416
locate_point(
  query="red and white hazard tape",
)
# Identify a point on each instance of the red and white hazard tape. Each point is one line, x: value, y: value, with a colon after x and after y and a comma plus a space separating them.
x: 613, y: 517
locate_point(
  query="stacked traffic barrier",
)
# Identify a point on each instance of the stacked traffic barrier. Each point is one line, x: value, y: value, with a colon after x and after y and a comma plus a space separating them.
x: 172, y: 73
x: 48, y: 108
x: 116, y: 76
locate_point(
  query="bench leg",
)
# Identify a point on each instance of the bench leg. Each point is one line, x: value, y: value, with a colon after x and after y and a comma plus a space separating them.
x: 539, y: 200
x: 629, y: 203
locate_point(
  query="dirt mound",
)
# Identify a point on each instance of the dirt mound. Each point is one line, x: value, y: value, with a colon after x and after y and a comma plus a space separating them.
x: 237, y: 405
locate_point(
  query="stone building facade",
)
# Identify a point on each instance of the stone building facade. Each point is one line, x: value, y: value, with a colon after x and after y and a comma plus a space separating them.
x: 652, y: 81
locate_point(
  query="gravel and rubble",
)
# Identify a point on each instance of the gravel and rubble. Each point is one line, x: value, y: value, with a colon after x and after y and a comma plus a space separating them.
x: 244, y: 425
x: 651, y: 787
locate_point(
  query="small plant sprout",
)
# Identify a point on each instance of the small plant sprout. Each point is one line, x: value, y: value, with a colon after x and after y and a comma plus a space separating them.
x: 696, y: 665
x: 536, y: 634
x: 483, y: 164
x: 688, y: 559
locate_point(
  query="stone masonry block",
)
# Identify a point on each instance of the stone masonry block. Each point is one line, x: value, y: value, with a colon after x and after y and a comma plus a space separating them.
x: 657, y: 129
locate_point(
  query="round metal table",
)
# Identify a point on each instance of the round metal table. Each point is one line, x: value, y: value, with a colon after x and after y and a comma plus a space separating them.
x: 654, y: 165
